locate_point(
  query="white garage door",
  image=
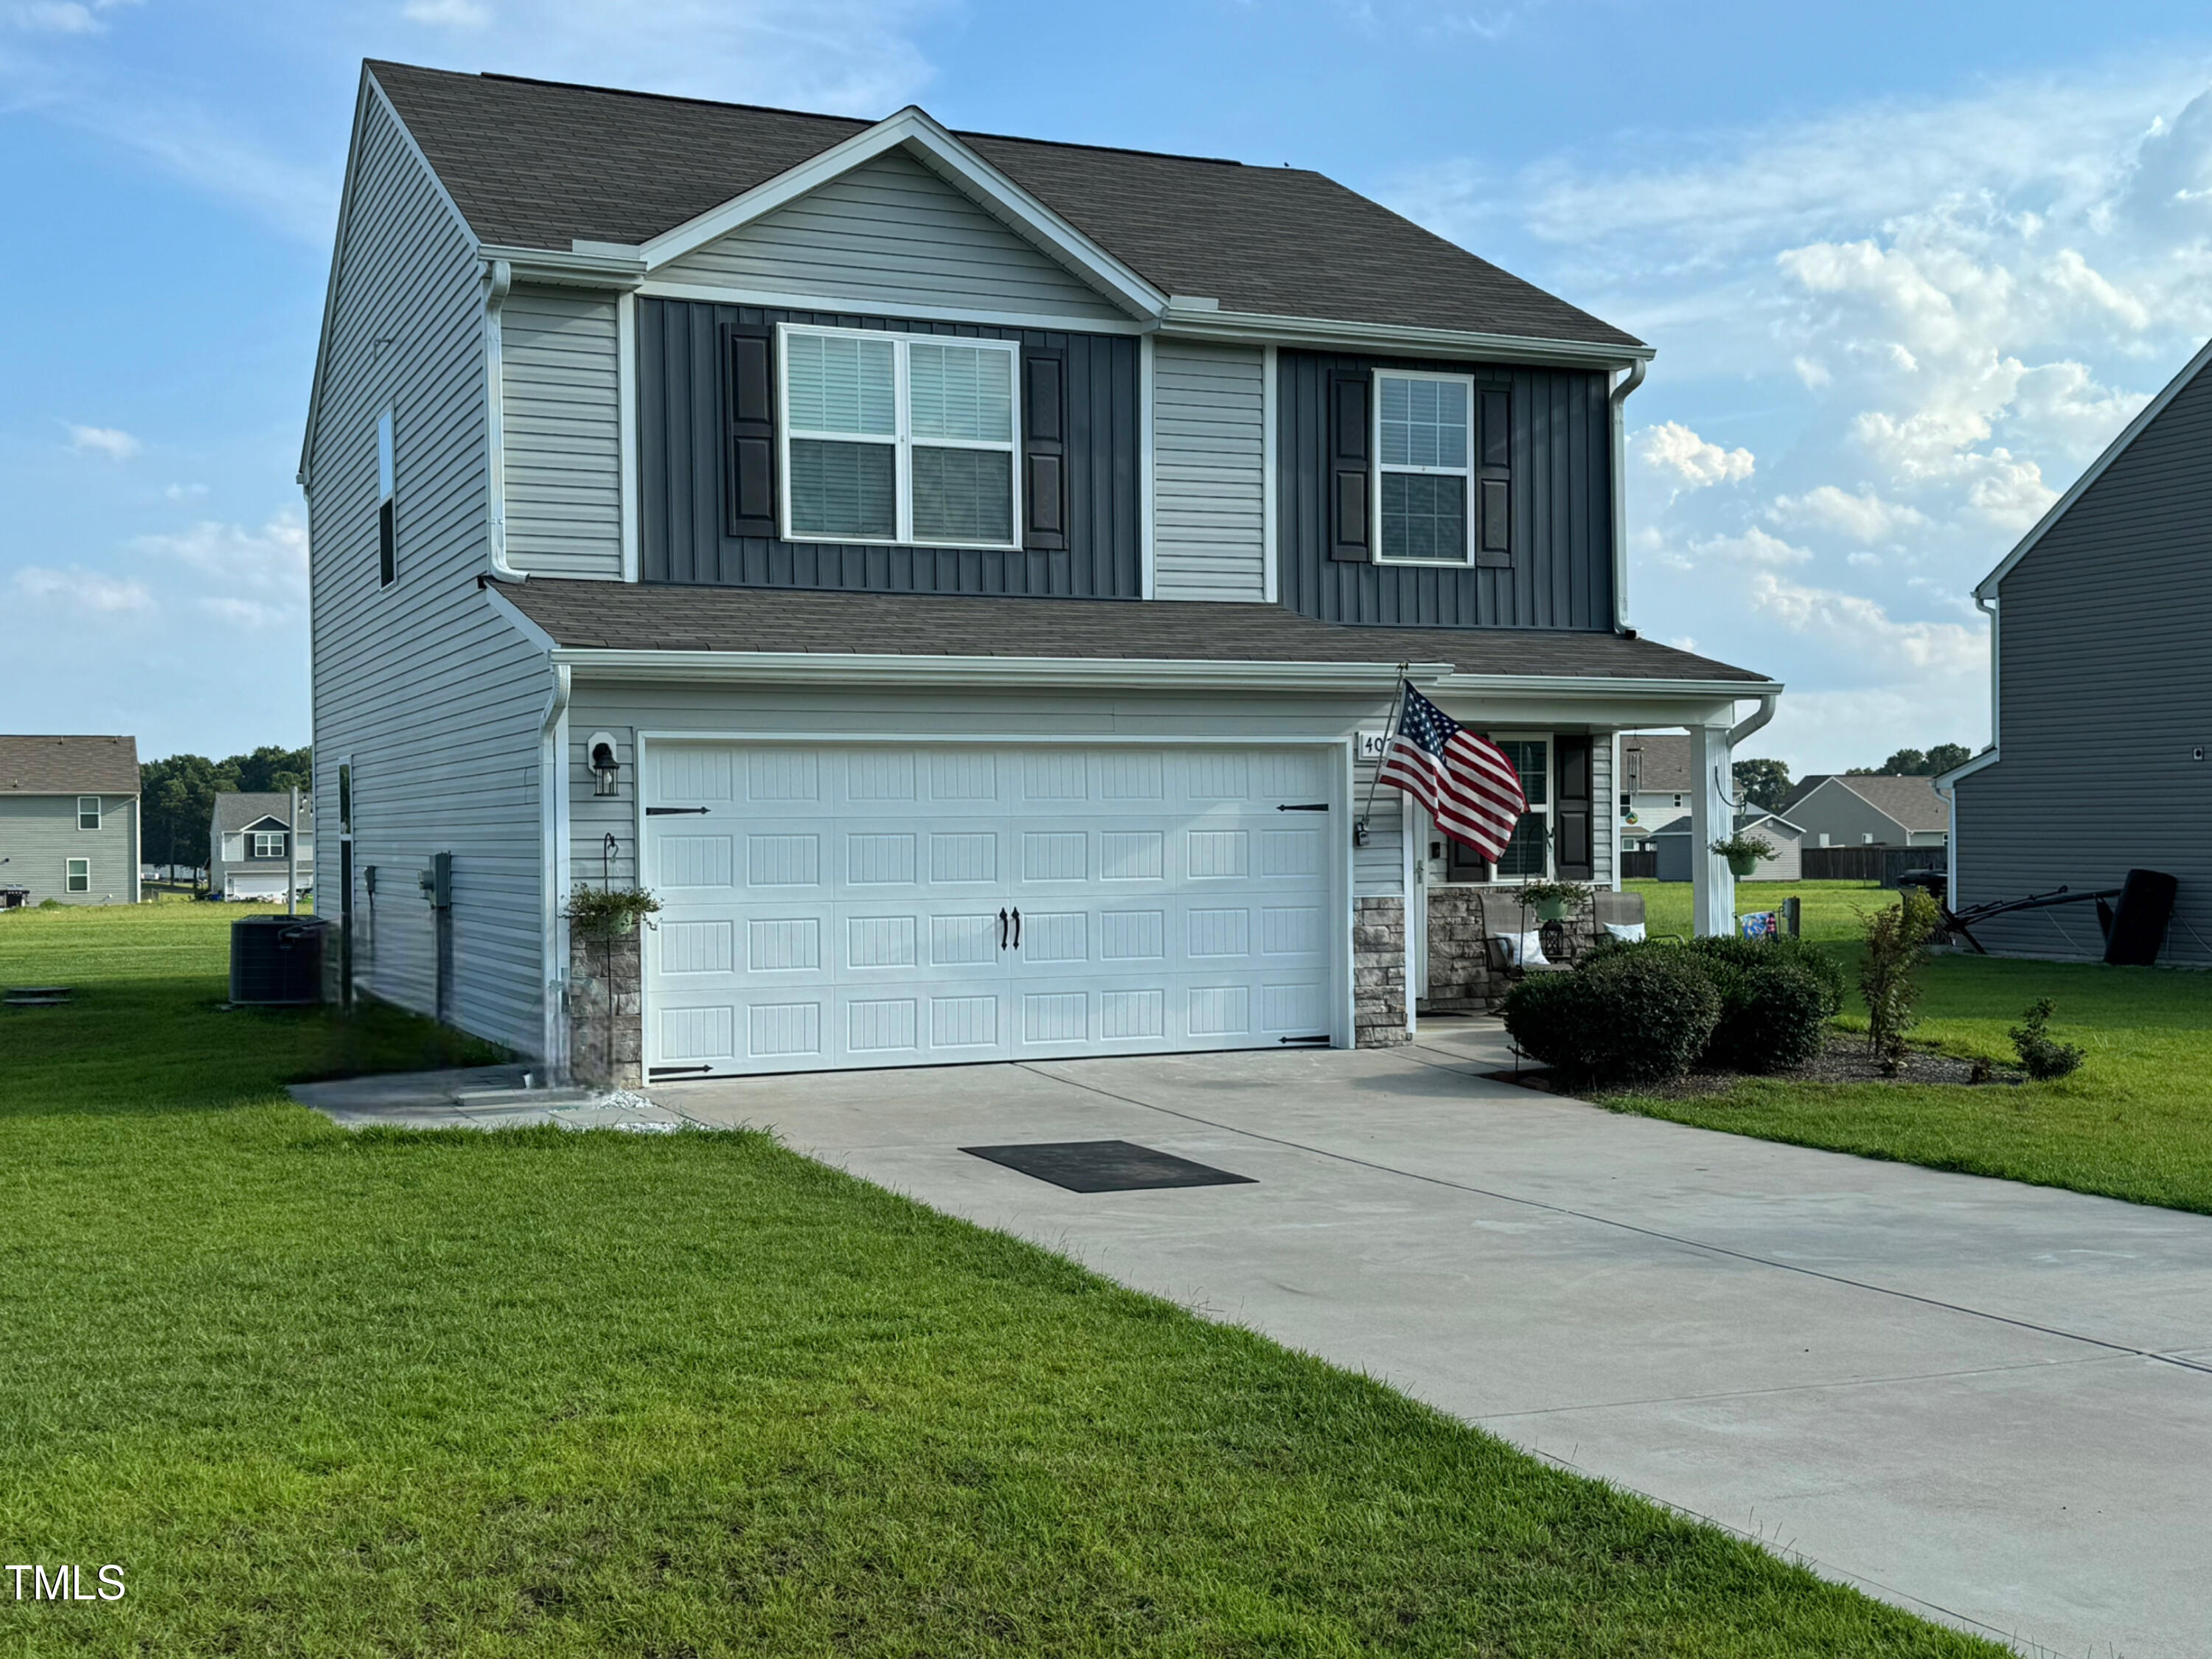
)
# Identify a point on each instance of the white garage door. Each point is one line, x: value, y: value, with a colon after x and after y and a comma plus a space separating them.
x: 849, y: 905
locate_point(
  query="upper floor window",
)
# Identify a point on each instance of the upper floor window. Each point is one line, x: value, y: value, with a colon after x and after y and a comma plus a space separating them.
x: 900, y: 439
x: 1423, y: 444
x: 87, y: 811
x: 387, y: 492
x: 269, y: 843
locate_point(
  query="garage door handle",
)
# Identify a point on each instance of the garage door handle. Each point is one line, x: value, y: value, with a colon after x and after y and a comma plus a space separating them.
x: 1018, y: 929
x: 673, y: 811
x: 1002, y: 927
x: 1311, y: 806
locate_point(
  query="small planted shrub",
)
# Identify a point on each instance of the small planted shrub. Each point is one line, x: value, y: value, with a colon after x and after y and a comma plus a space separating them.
x: 2041, y: 1055
x: 1889, y: 976
x: 1635, y: 1016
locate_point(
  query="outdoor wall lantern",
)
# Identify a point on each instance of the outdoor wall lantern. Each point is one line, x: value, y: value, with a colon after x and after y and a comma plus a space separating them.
x: 606, y: 770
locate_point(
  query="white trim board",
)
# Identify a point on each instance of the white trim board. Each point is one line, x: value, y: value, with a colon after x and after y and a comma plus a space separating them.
x: 1987, y: 587
x: 655, y: 287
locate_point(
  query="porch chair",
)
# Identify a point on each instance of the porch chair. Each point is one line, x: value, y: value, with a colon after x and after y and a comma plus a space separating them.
x: 1504, y: 918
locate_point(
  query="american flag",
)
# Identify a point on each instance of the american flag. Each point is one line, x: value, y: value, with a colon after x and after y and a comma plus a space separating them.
x: 1472, y: 791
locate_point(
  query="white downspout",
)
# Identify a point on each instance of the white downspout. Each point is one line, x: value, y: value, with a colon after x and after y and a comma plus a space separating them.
x: 1750, y: 724
x: 553, y: 816
x: 1619, y: 420
x: 499, y: 277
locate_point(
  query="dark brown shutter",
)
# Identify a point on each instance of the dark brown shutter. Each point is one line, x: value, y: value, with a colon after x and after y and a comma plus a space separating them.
x: 1573, y: 815
x: 1350, y: 537
x: 748, y: 444
x: 1045, y: 449
x: 1493, y: 483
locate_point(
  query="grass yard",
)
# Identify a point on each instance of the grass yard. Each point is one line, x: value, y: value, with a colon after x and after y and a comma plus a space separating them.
x: 2135, y: 1122
x: 541, y: 1393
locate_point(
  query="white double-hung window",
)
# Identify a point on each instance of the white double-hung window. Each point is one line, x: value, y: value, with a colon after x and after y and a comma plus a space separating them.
x: 1423, y: 450
x: 896, y: 438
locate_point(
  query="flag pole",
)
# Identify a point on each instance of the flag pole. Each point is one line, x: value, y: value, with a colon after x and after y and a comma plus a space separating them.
x: 1389, y: 731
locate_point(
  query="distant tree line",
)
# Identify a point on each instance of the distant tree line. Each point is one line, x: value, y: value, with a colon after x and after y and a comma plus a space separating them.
x: 1765, y: 783
x: 176, y: 797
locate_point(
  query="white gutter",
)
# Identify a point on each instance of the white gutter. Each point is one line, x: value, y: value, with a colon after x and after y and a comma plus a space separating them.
x: 1203, y: 319
x: 1751, y: 722
x: 1618, y: 420
x: 845, y: 668
x: 553, y: 815
x: 1605, y: 685
x: 498, y: 278
x: 583, y: 267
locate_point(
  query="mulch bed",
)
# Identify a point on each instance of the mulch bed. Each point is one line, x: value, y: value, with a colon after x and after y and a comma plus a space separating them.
x: 1846, y: 1058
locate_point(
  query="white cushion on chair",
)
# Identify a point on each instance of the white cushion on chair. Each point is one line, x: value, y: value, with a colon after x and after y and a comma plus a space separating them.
x: 1631, y: 932
x: 1525, y: 950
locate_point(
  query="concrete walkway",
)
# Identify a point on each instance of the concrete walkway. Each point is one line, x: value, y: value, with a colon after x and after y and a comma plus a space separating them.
x: 1990, y: 1403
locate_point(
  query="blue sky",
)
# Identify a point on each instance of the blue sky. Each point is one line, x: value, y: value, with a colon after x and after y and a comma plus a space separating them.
x: 1908, y: 267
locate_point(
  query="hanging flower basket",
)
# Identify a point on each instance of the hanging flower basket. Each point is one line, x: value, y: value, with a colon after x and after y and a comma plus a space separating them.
x: 1743, y: 854
x: 608, y: 913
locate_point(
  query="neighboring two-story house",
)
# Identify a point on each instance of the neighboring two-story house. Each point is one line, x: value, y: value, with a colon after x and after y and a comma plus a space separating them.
x: 2101, y: 691
x: 68, y: 820
x: 1655, y: 784
x: 966, y: 579
x: 1861, y: 809
x: 249, y: 852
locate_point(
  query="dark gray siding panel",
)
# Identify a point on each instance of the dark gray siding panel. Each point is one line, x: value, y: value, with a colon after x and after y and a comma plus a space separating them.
x: 1561, y: 575
x: 2105, y: 688
x: 681, y: 527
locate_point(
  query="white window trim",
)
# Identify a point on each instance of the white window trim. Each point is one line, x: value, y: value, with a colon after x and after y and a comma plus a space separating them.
x: 901, y: 437
x: 1377, y: 469
x: 1551, y: 802
x: 97, y: 816
x: 69, y: 875
x: 256, y: 836
x: 387, y: 491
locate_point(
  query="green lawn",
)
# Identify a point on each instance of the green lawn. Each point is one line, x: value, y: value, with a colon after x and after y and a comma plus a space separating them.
x: 2135, y: 1122
x: 539, y: 1392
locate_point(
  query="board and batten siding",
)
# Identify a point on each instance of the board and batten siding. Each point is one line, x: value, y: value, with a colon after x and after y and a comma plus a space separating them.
x: 891, y: 235
x: 684, y: 533
x: 432, y: 696
x: 561, y: 417
x: 2105, y: 700
x: 1561, y: 492
x: 1209, y: 472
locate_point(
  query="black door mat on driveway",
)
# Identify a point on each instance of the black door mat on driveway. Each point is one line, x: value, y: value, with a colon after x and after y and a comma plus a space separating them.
x: 1105, y: 1166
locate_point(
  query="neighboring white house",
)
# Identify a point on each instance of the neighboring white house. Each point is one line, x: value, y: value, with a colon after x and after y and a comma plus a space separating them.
x: 1655, y: 783
x: 966, y: 580
x: 250, y: 856
x: 1862, y: 810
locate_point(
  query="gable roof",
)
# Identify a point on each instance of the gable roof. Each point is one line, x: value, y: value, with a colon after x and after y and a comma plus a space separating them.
x: 68, y: 766
x: 1664, y: 767
x: 241, y: 809
x: 546, y: 165
x: 602, y: 616
x: 1911, y: 803
x: 1987, y: 587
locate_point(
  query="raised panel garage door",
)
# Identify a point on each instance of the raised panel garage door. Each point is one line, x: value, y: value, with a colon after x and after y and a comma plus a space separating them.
x: 849, y: 905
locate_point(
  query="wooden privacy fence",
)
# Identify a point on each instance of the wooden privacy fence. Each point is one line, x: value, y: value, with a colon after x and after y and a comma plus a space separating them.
x: 1881, y: 864
x: 1640, y: 866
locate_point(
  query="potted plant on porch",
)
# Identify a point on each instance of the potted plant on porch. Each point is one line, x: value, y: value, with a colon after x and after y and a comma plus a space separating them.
x: 608, y: 912
x: 1552, y: 900
x: 1743, y: 852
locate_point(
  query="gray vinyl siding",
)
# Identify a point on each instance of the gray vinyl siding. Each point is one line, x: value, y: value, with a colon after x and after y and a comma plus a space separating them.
x: 39, y: 836
x: 435, y: 700
x: 2105, y: 692
x: 1847, y: 819
x: 1209, y: 472
x: 563, y: 420
x: 683, y: 530
x: 1562, y: 510
x: 891, y: 236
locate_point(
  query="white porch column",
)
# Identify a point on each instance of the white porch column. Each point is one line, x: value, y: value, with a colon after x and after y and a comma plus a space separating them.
x: 1712, y: 817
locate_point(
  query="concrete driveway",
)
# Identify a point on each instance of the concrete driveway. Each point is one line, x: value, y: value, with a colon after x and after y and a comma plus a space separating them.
x: 1990, y: 1403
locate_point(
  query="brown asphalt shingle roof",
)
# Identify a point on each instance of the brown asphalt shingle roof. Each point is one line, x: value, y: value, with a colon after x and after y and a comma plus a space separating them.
x: 541, y: 164
x: 68, y: 766
x: 644, y: 617
x: 236, y: 808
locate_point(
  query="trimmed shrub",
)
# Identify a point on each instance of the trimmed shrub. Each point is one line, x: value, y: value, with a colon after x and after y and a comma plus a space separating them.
x: 1774, y: 1016
x: 1808, y: 958
x: 1628, y: 1016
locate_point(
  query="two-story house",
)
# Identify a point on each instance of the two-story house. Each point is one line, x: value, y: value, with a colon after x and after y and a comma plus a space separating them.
x: 68, y: 820
x: 1655, y: 784
x: 964, y: 578
x: 250, y: 851
x: 2101, y: 693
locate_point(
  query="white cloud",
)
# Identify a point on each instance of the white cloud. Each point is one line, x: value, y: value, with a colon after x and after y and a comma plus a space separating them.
x: 184, y: 492
x: 448, y: 14
x: 112, y: 442
x: 1864, y: 517
x: 1857, y: 625
x: 1753, y: 547
x: 262, y: 572
x: 248, y: 613
x: 1672, y: 448
x: 86, y: 592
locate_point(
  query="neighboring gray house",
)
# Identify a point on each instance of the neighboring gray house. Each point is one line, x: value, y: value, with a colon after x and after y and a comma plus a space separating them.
x: 2101, y: 684
x: 249, y: 846
x: 1840, y: 809
x: 68, y: 820
x: 1673, y: 844
x: 1655, y: 783
x: 966, y: 579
